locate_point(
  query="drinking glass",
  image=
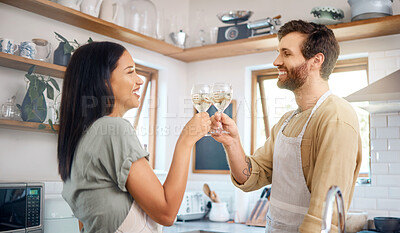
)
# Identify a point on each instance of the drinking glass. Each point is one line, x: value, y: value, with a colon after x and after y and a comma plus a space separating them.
x: 201, y: 98
x: 221, y: 96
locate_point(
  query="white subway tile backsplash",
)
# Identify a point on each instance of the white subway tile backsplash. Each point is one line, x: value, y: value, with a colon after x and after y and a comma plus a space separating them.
x: 388, y: 204
x: 392, y: 53
x: 376, y: 55
x: 382, y: 197
x: 376, y: 74
x: 379, y: 144
x: 377, y: 192
x: 392, y: 132
x: 394, y: 214
x: 391, y: 65
x: 359, y: 191
x: 377, y: 213
x: 394, y: 168
x: 381, y: 63
x: 378, y: 121
x: 380, y: 168
x: 372, y: 133
x: 394, y: 144
x: 394, y: 193
x: 365, y: 203
x: 394, y: 120
x: 388, y: 157
x: 388, y: 180
x: 374, y: 180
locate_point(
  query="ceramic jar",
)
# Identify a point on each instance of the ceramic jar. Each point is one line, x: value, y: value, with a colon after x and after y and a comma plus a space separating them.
x: 219, y: 212
x: 8, y: 46
x: 27, y: 49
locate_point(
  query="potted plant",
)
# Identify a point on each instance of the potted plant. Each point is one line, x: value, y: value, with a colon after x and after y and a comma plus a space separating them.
x: 34, y: 108
x: 64, y: 50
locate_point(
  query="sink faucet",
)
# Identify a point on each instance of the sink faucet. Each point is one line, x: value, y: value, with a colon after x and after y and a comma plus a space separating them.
x: 333, y: 193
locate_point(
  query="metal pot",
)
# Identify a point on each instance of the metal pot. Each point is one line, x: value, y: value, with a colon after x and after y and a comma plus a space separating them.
x: 367, y: 9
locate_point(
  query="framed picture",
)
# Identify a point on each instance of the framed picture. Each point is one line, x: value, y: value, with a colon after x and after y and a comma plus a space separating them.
x: 209, y: 155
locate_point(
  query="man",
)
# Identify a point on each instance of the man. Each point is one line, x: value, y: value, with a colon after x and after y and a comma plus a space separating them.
x: 309, y: 149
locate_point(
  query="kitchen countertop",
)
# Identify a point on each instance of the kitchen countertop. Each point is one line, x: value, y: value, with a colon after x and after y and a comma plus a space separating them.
x: 204, y: 225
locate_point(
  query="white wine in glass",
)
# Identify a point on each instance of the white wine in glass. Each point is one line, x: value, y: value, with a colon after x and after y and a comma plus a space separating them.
x: 221, y: 96
x: 201, y: 97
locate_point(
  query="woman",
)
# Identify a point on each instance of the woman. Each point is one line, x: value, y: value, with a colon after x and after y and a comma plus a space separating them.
x: 108, y: 182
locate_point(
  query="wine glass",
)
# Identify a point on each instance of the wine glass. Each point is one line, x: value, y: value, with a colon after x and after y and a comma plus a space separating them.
x: 201, y: 98
x: 221, y: 96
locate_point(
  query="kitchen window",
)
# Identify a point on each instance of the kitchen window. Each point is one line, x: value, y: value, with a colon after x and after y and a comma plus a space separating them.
x: 269, y: 102
x: 144, y: 118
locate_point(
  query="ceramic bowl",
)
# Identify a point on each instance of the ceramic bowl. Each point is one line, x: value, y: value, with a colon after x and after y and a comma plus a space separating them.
x: 234, y: 16
x: 387, y: 224
x: 355, y: 221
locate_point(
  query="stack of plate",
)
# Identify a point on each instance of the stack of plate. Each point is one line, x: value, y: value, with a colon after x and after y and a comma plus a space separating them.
x: 327, y: 15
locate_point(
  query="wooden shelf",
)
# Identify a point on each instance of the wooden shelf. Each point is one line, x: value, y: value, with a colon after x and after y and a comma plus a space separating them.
x: 76, y: 18
x: 383, y: 26
x: 22, y: 63
x: 362, y: 29
x: 26, y: 126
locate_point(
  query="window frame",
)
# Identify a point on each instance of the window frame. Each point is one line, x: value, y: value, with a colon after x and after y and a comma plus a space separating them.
x: 152, y: 81
x: 258, y: 76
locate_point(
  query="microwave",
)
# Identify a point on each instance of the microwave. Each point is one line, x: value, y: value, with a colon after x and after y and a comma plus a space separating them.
x: 21, y: 207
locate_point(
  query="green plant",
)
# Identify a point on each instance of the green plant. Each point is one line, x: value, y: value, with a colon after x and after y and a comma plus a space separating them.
x: 37, y: 85
x: 70, y: 46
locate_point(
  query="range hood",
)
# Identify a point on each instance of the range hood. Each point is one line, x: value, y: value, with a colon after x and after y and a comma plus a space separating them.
x: 380, y: 96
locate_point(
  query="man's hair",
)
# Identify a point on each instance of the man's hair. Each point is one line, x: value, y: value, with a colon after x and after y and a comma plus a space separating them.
x: 320, y: 39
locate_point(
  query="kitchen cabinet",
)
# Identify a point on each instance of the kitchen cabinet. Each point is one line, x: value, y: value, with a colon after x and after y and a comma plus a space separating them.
x: 344, y: 32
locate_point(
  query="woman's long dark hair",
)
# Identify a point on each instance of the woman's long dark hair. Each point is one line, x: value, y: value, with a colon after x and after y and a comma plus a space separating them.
x: 86, y: 96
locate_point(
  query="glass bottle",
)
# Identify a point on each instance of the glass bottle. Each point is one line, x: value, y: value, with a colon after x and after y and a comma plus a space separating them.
x: 142, y: 17
x: 9, y: 110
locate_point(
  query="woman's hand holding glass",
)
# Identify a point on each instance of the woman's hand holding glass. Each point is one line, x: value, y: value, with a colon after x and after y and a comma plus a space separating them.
x: 201, y: 98
x: 196, y: 128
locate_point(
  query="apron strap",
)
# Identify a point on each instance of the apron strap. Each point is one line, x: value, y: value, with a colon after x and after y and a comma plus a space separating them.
x: 319, y: 102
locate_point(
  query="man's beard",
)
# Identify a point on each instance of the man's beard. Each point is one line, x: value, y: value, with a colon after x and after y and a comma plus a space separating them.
x: 295, y: 77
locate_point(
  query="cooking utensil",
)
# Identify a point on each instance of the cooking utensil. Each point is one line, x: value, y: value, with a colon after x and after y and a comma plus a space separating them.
x: 207, y: 190
x: 258, y: 203
x: 214, y: 197
x: 258, y: 215
x: 264, y: 26
x: 234, y: 17
x: 211, y: 194
x: 387, y: 224
x: 264, y: 201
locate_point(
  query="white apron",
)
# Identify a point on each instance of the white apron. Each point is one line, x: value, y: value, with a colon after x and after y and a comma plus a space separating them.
x: 290, y: 197
x: 138, y: 221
